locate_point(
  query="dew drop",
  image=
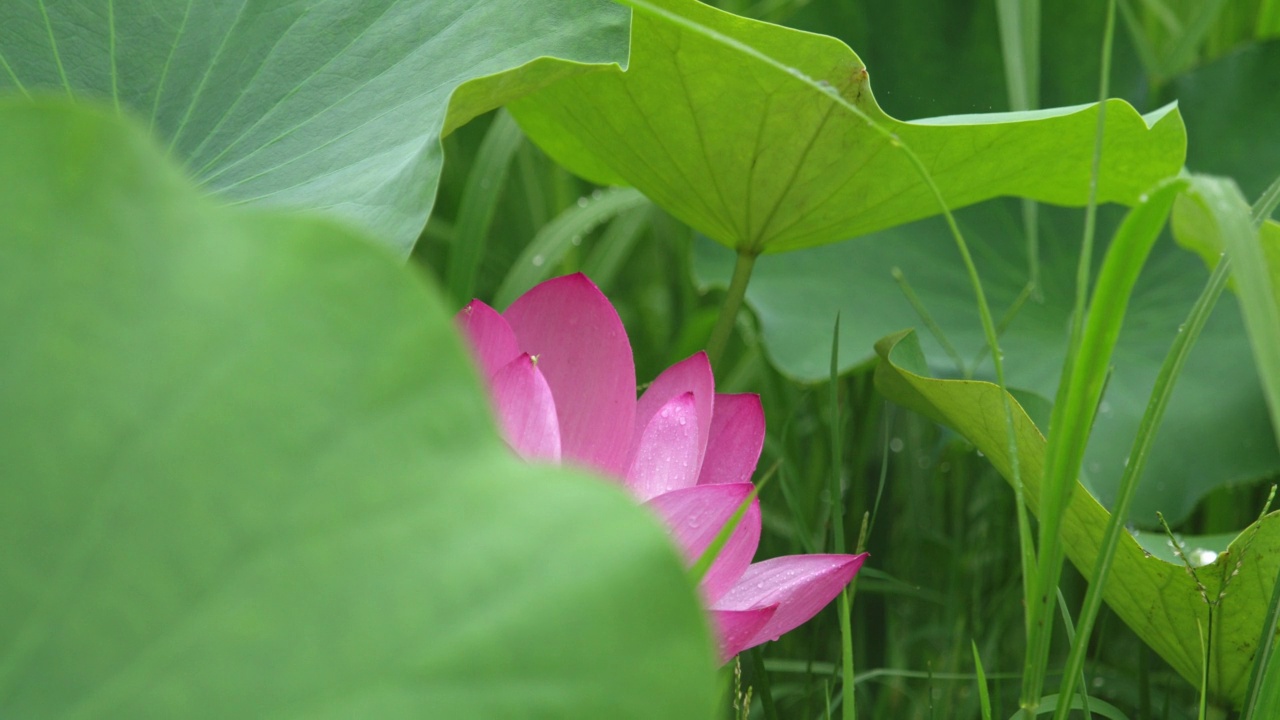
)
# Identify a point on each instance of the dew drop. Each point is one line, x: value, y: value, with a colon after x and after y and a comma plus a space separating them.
x: 538, y: 260
x: 1142, y: 198
x: 896, y: 445
x: 582, y: 201
x: 1204, y: 557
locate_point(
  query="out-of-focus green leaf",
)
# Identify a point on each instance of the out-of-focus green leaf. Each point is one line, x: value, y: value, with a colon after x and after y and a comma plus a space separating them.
x: 1216, y: 406
x: 758, y: 136
x: 1217, y: 218
x: 249, y: 472
x: 326, y: 104
x: 1193, y: 227
x: 1156, y: 598
x: 1231, y: 108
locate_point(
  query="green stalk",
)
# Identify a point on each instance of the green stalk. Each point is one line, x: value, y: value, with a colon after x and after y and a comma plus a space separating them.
x: 848, y: 710
x: 762, y: 682
x: 479, y: 204
x: 1147, y: 429
x: 720, y: 335
x: 732, y: 304
x: 1068, y: 428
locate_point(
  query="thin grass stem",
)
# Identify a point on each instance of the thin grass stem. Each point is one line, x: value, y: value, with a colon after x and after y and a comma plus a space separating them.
x: 1067, y: 424
x: 934, y: 329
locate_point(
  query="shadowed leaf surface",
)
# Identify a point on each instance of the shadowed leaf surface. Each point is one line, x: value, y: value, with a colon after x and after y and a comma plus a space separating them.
x: 326, y: 104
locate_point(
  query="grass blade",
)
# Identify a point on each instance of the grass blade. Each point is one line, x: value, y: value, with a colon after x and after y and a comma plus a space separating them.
x: 848, y: 710
x: 615, y: 245
x: 479, y: 203
x: 1266, y: 203
x: 1088, y: 355
x: 1096, y: 707
x: 984, y: 693
x: 1147, y: 428
x: 557, y: 237
x: 1020, y: 48
x: 1252, y: 273
x: 1262, y: 699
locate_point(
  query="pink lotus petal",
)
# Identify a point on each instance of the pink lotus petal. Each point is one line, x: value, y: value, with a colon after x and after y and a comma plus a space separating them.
x: 737, y: 435
x: 800, y: 585
x: 584, y: 354
x: 695, y: 516
x: 666, y: 458
x: 736, y: 628
x: 492, y: 342
x: 693, y: 374
x: 526, y: 411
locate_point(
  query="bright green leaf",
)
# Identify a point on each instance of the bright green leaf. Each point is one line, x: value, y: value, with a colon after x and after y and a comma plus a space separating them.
x: 249, y: 473
x: 758, y: 136
x: 322, y: 104
x: 1156, y: 598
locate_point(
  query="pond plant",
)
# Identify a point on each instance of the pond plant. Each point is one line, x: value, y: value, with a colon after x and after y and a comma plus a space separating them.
x: 327, y: 331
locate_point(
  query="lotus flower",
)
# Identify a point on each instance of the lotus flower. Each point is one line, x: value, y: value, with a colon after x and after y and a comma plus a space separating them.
x: 562, y: 379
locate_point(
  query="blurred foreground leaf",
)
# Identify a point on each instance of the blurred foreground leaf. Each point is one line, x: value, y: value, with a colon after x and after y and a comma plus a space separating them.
x: 323, y: 104
x: 248, y: 472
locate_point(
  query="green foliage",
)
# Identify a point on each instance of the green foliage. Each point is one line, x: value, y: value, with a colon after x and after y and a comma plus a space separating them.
x: 762, y: 137
x: 1217, y: 407
x: 328, y: 105
x: 1156, y: 598
x: 254, y: 476
x: 248, y: 472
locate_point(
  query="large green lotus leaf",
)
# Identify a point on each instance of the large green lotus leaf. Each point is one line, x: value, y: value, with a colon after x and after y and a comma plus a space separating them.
x: 249, y: 472
x: 1217, y: 405
x: 318, y: 104
x: 760, y: 136
x: 1157, y: 598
